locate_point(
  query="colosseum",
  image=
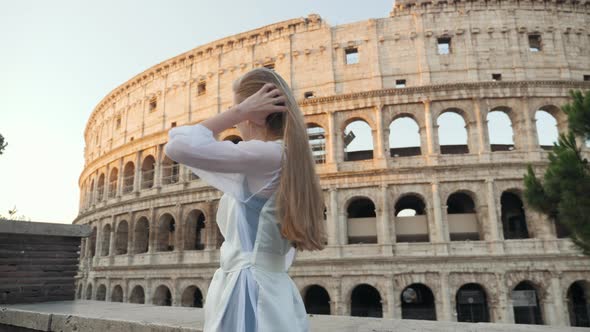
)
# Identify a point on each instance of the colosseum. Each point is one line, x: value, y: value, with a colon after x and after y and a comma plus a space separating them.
x: 421, y: 226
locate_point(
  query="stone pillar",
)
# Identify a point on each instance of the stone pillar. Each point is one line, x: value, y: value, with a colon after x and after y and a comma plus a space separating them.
x: 342, y: 227
x: 390, y: 297
x: 120, y: 179
x: 445, y: 299
x: 384, y: 234
x: 153, y: 226
x: 505, y: 314
x: 113, y: 236
x: 333, y: 221
x: 131, y: 233
x: 530, y: 130
x: 483, y: 136
x: 211, y: 225
x: 495, y: 229
x: 335, y: 140
x: 178, y: 229
x: 158, y: 166
x: 554, y: 305
x: 379, y: 139
x: 105, y: 191
x: 137, y: 175
x: 439, y: 233
x: 98, y: 243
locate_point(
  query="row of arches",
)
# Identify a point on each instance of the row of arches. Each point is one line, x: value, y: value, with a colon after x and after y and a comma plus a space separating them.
x: 137, y: 238
x: 417, y: 301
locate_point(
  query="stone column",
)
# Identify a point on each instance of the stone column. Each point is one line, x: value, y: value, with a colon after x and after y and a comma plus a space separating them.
x: 438, y: 233
x: 137, y: 175
x: 378, y: 137
x: 120, y: 179
x: 153, y: 225
x: 390, y: 296
x: 431, y: 133
x: 336, y: 142
x: 342, y: 227
x: 483, y: 136
x: 445, y: 298
x: 530, y: 130
x: 554, y: 305
x: 105, y: 191
x: 210, y: 222
x: 178, y: 229
x: 113, y: 236
x: 505, y: 312
x: 495, y: 229
x: 385, y: 234
x: 333, y: 221
x: 131, y: 233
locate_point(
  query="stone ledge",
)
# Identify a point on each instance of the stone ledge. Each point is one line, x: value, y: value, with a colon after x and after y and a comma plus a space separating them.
x: 43, y: 228
x: 88, y: 316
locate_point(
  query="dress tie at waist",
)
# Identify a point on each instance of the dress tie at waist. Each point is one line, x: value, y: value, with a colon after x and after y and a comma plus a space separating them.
x: 232, y: 259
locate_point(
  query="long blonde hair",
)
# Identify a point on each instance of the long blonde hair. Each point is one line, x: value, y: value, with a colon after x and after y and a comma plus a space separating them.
x: 300, y: 200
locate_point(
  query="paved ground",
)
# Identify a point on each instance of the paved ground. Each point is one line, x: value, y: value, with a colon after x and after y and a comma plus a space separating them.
x: 100, y: 316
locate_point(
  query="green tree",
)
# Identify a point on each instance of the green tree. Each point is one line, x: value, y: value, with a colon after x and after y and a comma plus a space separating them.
x: 2, y: 144
x: 564, y: 193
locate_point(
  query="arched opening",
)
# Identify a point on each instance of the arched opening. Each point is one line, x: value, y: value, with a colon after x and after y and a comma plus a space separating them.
x: 418, y: 303
x: 166, y: 227
x: 121, y: 237
x: 128, y: 177
x: 411, y: 222
x: 148, y: 168
x: 89, y: 292
x: 141, y: 236
x: 472, y: 304
x: 106, y: 240
x: 525, y: 303
x: 137, y: 295
x: 317, y: 300
x: 462, y: 218
x: 513, y: 217
x: 452, y: 133
x: 500, y: 131
x: 101, y: 293
x: 117, y: 294
x: 162, y: 296
x: 233, y: 138
x: 365, y: 301
x: 194, y: 234
x: 92, y: 242
x: 170, y: 171
x: 113, y: 178
x: 358, y: 141
x: 192, y: 297
x: 317, y: 141
x: 362, y: 221
x: 547, y: 131
x: 577, y: 304
x: 100, y: 193
x: 404, y: 137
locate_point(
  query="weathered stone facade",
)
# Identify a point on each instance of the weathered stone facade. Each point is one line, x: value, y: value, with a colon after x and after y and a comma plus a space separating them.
x: 155, y: 238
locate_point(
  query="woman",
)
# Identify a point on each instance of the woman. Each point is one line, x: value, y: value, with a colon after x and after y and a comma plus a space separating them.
x: 272, y: 204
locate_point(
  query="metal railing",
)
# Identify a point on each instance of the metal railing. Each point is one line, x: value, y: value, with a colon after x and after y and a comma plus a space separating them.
x: 170, y: 174
x: 128, y: 183
x: 147, y: 179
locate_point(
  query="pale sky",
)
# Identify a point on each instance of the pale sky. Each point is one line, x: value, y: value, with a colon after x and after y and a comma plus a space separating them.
x: 58, y: 59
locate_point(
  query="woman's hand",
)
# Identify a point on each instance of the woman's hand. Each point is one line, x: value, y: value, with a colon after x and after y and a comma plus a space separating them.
x: 269, y: 99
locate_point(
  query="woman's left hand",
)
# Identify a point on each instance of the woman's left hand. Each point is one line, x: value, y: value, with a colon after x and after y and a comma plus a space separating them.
x: 269, y: 99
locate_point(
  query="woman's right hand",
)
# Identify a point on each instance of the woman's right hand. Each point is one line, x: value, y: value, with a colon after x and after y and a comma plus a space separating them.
x: 269, y: 99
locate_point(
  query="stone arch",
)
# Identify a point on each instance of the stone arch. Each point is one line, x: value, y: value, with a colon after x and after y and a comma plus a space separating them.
x: 365, y: 301
x: 195, y: 235
x: 192, y: 297
x: 418, y: 302
x: 121, y: 237
x: 170, y: 171
x: 454, y: 119
x: 148, y: 170
x: 501, y: 135
x: 316, y: 299
x: 117, y: 294
x: 113, y: 179
x: 128, y: 177
x: 101, y: 292
x: 411, y: 226
x: 578, y: 303
x: 361, y: 220
x: 100, y: 187
x: 137, y: 295
x: 141, y: 235
x: 513, y: 216
x: 525, y: 303
x: 471, y: 303
x: 363, y: 147
x: 462, y: 218
x: 166, y: 232
x: 92, y: 242
x: 106, y: 240
x: 89, y: 291
x: 400, y: 127
x: 162, y: 296
x: 317, y: 140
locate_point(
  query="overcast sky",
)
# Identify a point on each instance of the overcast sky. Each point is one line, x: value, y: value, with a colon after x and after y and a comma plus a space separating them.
x: 58, y: 59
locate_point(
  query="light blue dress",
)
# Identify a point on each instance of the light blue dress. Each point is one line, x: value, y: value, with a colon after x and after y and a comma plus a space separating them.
x: 251, y: 291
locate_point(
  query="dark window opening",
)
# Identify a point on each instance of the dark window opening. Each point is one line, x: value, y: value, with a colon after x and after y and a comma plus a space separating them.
x: 308, y: 94
x: 444, y: 45
x: 153, y: 104
x: 201, y: 88
x: 118, y: 122
x: 400, y: 83
x: 535, y: 42
x: 586, y: 78
x: 352, y: 55
x: 496, y: 77
x: 173, y: 124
